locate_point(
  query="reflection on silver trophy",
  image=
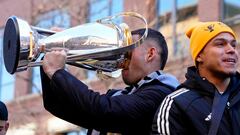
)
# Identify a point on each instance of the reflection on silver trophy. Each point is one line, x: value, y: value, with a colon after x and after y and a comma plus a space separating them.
x: 100, y: 46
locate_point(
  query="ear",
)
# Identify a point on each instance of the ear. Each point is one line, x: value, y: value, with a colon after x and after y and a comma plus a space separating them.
x: 6, y: 126
x: 151, y: 53
x: 199, y: 58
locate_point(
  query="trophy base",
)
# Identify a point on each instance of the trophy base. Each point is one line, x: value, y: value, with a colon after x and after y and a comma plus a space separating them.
x: 11, y: 45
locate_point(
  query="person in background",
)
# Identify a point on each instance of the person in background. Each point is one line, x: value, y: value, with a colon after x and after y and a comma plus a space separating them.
x: 208, y: 102
x: 129, y: 111
x: 4, y: 124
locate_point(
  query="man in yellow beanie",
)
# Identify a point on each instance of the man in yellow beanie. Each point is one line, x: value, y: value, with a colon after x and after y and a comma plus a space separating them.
x: 208, y: 102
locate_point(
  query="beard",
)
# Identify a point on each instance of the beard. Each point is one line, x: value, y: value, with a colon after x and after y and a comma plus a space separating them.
x: 224, y: 75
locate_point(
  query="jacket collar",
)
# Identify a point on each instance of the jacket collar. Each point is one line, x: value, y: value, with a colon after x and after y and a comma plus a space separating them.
x: 203, y: 86
x: 157, y: 75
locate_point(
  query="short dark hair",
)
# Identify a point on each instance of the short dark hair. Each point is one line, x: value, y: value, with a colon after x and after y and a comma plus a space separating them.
x: 160, y: 40
x: 3, y: 111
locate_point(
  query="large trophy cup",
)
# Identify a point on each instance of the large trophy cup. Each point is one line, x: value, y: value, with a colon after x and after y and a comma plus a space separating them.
x: 100, y: 46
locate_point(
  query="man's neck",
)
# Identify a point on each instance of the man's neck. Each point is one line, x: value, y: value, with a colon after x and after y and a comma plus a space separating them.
x: 221, y: 85
x: 221, y: 82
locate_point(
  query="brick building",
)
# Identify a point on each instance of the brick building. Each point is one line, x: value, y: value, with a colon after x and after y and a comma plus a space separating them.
x: 27, y: 115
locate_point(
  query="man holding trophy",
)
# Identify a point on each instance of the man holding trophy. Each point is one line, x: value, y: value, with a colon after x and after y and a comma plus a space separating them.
x: 103, y: 46
x: 129, y: 111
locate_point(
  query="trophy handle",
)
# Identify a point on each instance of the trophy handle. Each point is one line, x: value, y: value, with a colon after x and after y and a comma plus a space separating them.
x: 134, y: 14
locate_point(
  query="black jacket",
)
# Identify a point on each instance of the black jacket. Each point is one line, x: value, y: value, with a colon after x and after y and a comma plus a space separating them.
x: 68, y: 98
x: 187, y: 111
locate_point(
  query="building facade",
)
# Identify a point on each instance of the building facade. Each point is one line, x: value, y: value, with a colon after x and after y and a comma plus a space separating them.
x: 22, y: 91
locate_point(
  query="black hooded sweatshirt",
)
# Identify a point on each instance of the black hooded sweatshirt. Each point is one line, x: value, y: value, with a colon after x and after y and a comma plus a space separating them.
x: 187, y: 111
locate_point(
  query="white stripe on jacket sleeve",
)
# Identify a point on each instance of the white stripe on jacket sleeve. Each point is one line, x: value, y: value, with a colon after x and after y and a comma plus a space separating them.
x: 163, y: 114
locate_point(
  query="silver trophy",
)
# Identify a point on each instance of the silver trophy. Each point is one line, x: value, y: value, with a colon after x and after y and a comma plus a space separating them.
x: 100, y: 46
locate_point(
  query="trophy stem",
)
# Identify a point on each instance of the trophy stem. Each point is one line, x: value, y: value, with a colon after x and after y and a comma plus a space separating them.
x: 35, y: 64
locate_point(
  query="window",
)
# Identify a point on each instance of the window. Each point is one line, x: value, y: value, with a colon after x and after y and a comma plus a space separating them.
x: 6, y: 80
x: 231, y: 11
x: 103, y: 8
x: 182, y: 10
x: 165, y: 8
x: 231, y: 8
x: 57, y: 18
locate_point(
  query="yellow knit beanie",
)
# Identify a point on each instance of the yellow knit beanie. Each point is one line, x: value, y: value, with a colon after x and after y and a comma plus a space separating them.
x: 202, y: 32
